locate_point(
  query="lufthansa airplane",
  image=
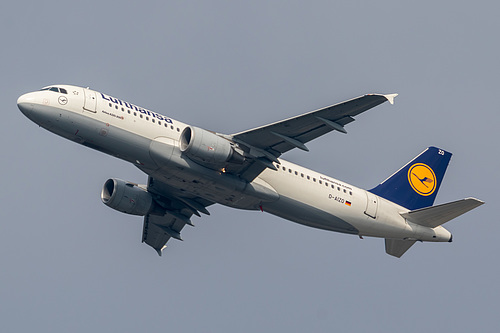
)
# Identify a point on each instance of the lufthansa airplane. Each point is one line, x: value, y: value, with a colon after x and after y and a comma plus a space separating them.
x: 191, y: 168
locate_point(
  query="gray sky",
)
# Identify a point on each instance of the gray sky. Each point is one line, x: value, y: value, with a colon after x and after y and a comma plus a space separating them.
x: 69, y: 263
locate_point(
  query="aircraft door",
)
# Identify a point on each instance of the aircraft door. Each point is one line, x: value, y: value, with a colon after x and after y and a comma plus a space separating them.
x: 371, y: 204
x: 90, y: 101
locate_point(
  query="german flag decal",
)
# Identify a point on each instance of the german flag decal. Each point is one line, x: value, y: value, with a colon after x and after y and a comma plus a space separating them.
x: 348, y: 203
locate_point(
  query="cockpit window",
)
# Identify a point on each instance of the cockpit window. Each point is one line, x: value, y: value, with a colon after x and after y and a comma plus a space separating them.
x: 56, y: 89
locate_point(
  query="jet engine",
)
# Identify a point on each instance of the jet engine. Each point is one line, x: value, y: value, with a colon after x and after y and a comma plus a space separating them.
x: 207, y: 148
x: 127, y: 197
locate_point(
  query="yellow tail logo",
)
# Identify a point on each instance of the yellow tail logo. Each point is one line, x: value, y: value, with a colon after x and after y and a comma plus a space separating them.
x: 422, y: 179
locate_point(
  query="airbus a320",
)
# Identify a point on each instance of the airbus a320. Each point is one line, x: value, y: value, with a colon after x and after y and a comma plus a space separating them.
x: 190, y: 168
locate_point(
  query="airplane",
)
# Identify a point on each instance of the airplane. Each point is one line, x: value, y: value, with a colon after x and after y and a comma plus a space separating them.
x: 190, y: 168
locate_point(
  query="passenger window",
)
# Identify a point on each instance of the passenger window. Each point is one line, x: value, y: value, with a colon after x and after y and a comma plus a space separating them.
x: 320, y: 182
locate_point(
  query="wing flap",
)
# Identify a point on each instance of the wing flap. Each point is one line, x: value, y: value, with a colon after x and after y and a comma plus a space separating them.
x: 437, y: 215
x: 158, y: 230
x: 153, y: 235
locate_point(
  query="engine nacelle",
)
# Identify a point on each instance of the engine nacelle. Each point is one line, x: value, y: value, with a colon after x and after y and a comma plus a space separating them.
x: 207, y: 148
x: 126, y: 197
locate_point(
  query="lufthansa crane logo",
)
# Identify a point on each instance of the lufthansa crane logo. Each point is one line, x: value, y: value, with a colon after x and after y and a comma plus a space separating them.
x: 422, y: 179
x: 63, y: 100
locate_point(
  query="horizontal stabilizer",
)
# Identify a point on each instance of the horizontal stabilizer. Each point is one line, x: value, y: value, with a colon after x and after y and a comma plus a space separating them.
x: 396, y: 247
x: 437, y: 215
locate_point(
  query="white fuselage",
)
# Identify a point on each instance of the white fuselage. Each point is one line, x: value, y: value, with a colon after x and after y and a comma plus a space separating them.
x: 151, y: 142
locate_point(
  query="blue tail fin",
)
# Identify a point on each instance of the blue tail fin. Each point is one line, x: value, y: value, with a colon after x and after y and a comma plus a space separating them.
x: 416, y: 184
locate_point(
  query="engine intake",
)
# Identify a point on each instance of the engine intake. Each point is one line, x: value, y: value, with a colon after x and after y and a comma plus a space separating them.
x: 126, y: 197
x: 207, y: 148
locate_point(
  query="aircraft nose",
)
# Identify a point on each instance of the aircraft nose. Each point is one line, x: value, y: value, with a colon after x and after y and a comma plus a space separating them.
x: 25, y: 103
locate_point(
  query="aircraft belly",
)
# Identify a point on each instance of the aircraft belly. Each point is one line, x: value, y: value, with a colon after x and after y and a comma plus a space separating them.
x: 321, y: 207
x: 58, y: 121
x: 95, y: 134
x: 302, y: 213
x: 188, y: 178
x: 112, y: 140
x: 161, y: 150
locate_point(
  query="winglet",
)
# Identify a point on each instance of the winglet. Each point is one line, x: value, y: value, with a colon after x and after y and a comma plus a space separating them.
x: 160, y: 251
x: 390, y: 97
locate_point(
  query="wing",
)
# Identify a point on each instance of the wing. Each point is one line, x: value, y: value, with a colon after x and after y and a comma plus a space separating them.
x: 265, y: 144
x: 159, y: 227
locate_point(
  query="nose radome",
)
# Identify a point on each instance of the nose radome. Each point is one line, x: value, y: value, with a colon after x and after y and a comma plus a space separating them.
x: 26, y: 98
x: 25, y: 102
